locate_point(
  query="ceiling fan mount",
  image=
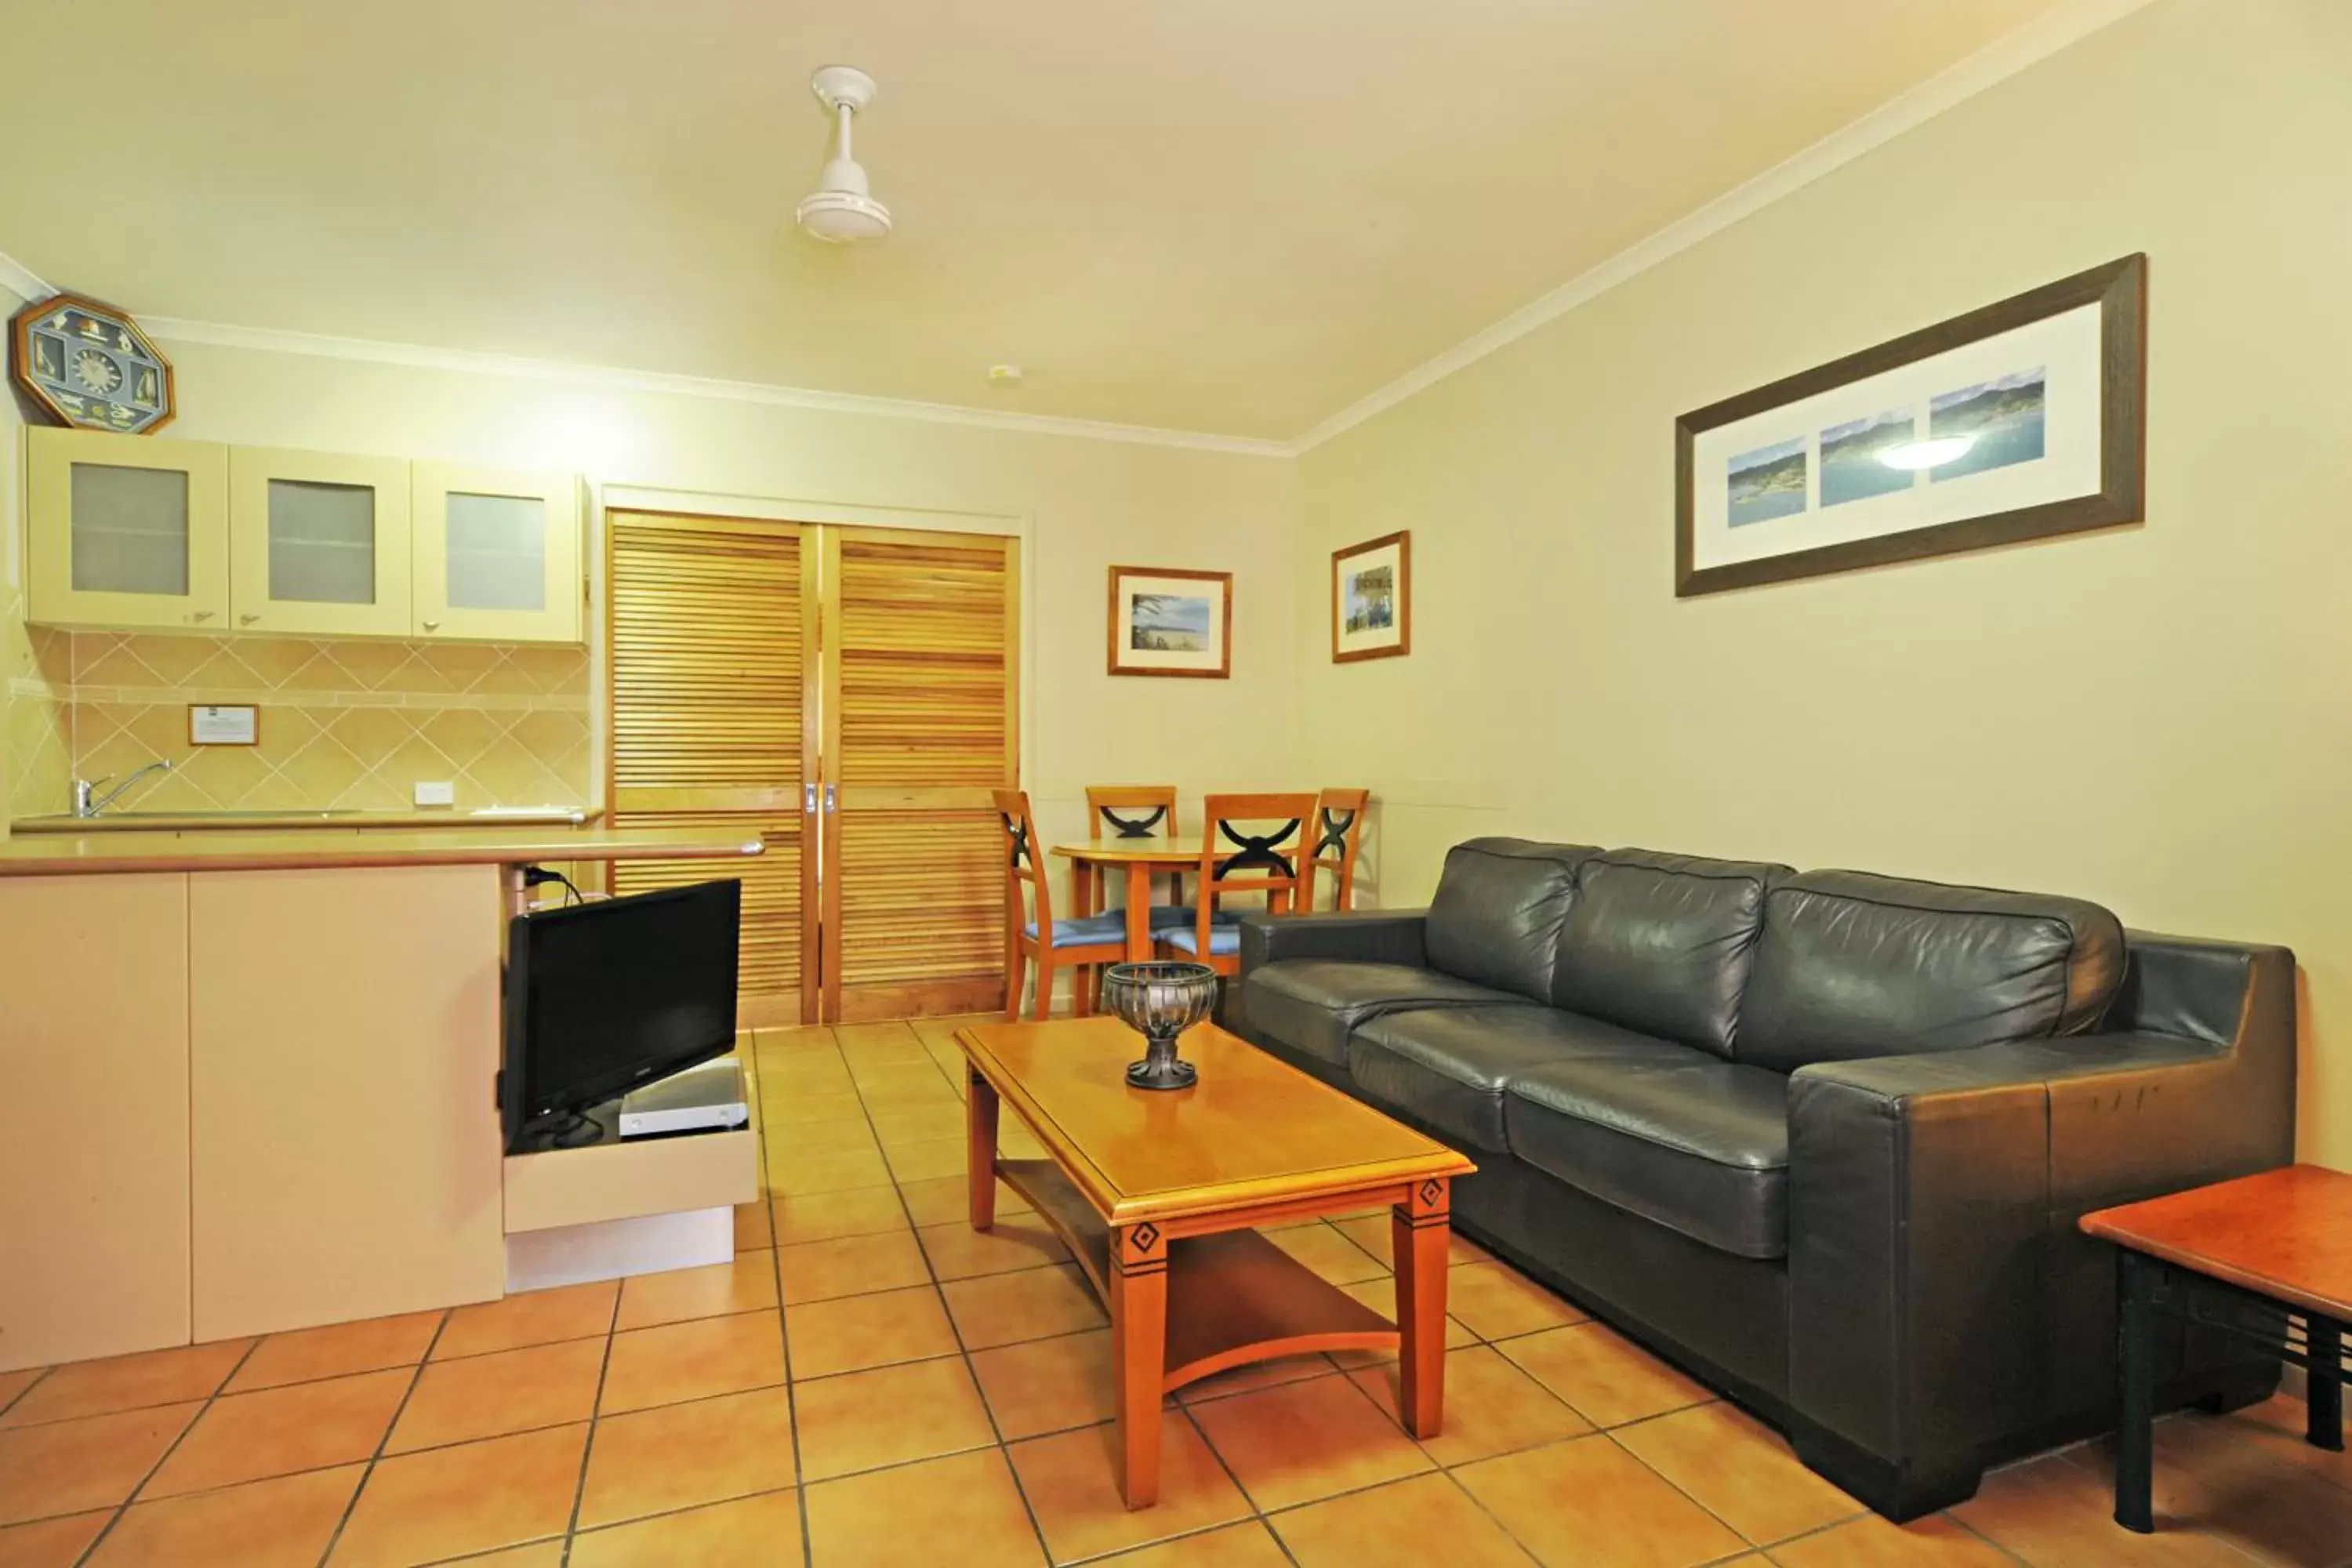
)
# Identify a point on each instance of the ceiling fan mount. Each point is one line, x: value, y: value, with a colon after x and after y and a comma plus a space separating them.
x: 842, y: 209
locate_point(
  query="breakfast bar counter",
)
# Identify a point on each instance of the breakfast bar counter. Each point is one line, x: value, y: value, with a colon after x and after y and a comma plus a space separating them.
x: 252, y: 1076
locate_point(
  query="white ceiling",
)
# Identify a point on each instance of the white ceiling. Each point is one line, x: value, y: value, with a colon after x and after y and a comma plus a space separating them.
x: 1228, y: 215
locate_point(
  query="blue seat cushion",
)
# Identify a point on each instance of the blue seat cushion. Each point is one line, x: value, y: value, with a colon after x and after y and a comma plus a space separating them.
x: 1084, y: 931
x: 1223, y: 939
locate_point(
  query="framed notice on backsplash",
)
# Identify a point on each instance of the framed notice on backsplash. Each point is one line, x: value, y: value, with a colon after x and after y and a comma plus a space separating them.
x: 212, y: 725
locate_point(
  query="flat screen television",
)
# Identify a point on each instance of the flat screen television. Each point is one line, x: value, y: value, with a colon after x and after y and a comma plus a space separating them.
x: 601, y: 996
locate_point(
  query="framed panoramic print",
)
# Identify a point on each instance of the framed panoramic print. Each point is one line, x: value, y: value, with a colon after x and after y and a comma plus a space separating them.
x: 2019, y: 421
x: 1371, y: 599
x: 1167, y: 621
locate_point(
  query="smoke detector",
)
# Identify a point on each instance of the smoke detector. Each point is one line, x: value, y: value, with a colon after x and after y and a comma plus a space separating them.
x: 841, y: 210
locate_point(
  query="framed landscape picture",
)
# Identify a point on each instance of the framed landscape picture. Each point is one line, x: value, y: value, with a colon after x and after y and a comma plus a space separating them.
x: 1371, y: 599
x: 2019, y: 421
x: 1167, y: 621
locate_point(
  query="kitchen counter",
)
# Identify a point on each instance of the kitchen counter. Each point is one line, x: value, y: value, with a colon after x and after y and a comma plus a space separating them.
x: 481, y: 842
x: 259, y: 822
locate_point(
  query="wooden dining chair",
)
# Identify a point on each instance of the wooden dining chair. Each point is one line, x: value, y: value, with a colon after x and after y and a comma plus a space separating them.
x: 1136, y: 811
x: 1234, y: 859
x: 1338, y: 830
x: 1031, y: 931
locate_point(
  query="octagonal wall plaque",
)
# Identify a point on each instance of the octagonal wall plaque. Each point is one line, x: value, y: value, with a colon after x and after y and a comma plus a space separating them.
x: 84, y: 362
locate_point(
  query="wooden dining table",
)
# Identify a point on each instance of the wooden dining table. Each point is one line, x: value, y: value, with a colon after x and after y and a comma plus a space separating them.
x: 1095, y: 861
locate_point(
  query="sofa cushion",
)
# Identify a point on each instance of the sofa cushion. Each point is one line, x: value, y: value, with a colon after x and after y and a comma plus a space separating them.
x: 1856, y: 965
x: 1661, y: 943
x: 1446, y: 1068
x: 1495, y: 919
x: 1699, y: 1145
x: 1313, y: 1004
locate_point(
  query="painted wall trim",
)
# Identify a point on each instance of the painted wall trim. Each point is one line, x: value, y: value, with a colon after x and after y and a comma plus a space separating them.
x: 1995, y: 63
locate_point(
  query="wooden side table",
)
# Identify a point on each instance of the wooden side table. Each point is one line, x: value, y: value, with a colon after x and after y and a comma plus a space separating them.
x: 2265, y: 1259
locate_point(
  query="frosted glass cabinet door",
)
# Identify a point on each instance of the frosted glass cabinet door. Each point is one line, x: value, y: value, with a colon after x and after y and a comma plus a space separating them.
x: 319, y: 543
x: 498, y: 554
x: 126, y: 530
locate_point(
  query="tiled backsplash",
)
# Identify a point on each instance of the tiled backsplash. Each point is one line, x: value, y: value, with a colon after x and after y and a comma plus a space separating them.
x: 343, y: 724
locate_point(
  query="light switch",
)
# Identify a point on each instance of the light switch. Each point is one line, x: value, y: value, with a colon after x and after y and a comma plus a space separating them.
x: 443, y: 794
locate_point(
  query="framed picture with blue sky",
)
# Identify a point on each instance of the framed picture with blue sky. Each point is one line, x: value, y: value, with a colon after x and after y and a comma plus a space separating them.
x: 1165, y: 620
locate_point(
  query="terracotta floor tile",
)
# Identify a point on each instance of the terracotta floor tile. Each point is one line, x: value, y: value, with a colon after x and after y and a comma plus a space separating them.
x: 476, y: 1497
x: 1047, y: 1385
x: 284, y: 1522
x: 1495, y: 1301
x: 1016, y: 1242
x: 903, y: 1087
x: 851, y: 1266
x: 51, y: 1543
x: 2275, y: 1427
x: 1740, y: 1471
x: 1328, y: 1254
x: 682, y: 1456
x: 1235, y: 1546
x: 68, y: 1467
x: 534, y: 1318
x: 337, y: 1351
x: 1587, y: 1501
x: 13, y: 1384
x: 864, y: 1420
x: 753, y: 1230
x: 716, y: 1291
x: 693, y: 1361
x: 826, y: 1171
x: 1491, y: 1407
x: 1405, y: 1524
x: 1609, y: 1379
x: 126, y: 1382
x: 947, y: 1198
x: 1308, y: 1440
x: 788, y: 1109
x: 1072, y: 1483
x: 1374, y: 1234
x: 2238, y: 1492
x: 1870, y: 1541
x: 508, y: 1391
x: 539, y: 1554
x: 821, y: 1137
x: 789, y: 1039
x: 924, y: 1162
x: 1004, y: 1308
x: 924, y: 1124
x: 749, y: 1533
x: 2053, y: 1510
x: 829, y: 1217
x: 277, y: 1431
x: 859, y: 1332
x: 1255, y: 1375
x: 891, y: 1040
x: 963, y: 1510
x: 1380, y: 1295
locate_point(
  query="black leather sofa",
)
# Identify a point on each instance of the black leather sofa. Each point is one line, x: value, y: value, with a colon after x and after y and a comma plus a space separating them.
x: 1819, y: 1138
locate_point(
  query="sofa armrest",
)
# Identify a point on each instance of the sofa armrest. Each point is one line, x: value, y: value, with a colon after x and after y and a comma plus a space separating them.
x: 1939, y: 1295
x: 1363, y: 936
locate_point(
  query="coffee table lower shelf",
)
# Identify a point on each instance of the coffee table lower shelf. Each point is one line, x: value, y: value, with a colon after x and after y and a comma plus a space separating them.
x: 1234, y: 1296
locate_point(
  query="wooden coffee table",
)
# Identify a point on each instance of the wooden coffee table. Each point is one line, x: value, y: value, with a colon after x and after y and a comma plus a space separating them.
x: 2252, y: 1259
x: 1156, y: 1194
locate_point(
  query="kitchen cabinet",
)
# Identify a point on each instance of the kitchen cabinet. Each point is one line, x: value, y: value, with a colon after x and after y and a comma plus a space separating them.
x: 497, y: 554
x: 126, y: 531
x: 319, y: 543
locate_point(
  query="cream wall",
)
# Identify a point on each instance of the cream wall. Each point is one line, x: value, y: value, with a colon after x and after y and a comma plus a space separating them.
x: 2158, y: 717
x: 1085, y: 503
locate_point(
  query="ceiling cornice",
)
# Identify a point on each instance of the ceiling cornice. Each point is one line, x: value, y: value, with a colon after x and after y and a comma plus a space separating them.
x: 1988, y: 66
x: 1997, y: 62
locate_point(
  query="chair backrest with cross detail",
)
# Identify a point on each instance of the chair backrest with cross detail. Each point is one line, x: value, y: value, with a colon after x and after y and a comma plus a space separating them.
x: 1130, y: 811
x: 1338, y: 828
x: 1249, y: 844
x: 1024, y: 866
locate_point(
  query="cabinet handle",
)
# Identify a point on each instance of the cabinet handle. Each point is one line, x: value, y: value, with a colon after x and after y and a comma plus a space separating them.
x: 246, y: 620
x: 808, y: 798
x: 831, y: 800
x: 432, y: 626
x: 201, y: 615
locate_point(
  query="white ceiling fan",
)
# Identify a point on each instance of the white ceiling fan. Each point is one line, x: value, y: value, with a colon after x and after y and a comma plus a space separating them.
x: 842, y: 210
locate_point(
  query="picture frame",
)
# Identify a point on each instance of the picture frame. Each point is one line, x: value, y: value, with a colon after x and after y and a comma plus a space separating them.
x: 1171, y: 621
x: 1371, y: 599
x: 2025, y: 419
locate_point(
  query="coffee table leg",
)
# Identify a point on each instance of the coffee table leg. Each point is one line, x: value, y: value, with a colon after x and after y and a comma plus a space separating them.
x: 1418, y: 1234
x: 2135, y: 1283
x: 1139, y: 1352
x: 980, y: 1149
x: 2324, y: 1422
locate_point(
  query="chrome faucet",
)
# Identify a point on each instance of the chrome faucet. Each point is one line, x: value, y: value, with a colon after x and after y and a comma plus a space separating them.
x: 88, y: 802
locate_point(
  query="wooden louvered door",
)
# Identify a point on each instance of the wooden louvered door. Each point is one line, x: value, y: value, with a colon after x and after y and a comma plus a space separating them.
x: 921, y: 721
x: 714, y: 628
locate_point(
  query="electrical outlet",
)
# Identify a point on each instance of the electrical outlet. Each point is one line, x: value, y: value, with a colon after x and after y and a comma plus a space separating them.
x: 435, y: 793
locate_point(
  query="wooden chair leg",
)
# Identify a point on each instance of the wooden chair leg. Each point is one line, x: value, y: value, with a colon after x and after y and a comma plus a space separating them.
x: 1015, y: 972
x: 1045, y: 1007
x: 1082, y: 990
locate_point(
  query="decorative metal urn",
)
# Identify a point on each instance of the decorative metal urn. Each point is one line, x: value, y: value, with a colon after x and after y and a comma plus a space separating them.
x: 1160, y: 1002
